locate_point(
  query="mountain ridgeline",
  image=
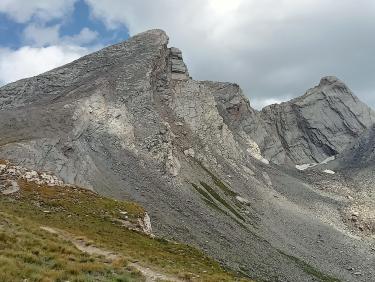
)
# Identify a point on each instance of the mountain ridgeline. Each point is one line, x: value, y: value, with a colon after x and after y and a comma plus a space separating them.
x: 129, y: 123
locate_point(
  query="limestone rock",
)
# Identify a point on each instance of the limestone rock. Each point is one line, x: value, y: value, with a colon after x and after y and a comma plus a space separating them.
x: 145, y: 224
x: 315, y: 126
x: 242, y: 200
x: 178, y: 67
x: 173, y: 165
x: 189, y: 152
x: 10, y: 175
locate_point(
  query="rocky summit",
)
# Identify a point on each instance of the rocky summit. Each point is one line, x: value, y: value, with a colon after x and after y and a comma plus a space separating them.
x: 271, y: 194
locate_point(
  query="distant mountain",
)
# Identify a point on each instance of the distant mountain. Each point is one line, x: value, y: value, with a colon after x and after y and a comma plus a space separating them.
x: 317, y: 125
x: 130, y: 123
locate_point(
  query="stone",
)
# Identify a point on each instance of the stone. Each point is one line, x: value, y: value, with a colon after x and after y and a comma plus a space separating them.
x: 178, y: 66
x: 242, y: 200
x: 145, y: 224
x: 179, y: 70
x: 176, y: 53
x: 189, y: 152
x: 355, y: 214
x: 173, y: 165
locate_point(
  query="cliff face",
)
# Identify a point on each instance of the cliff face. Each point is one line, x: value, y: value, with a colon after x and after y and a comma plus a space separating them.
x: 130, y: 123
x: 318, y: 125
x: 305, y: 130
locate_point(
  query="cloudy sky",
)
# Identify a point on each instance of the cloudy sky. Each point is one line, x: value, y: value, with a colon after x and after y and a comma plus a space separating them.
x: 275, y: 49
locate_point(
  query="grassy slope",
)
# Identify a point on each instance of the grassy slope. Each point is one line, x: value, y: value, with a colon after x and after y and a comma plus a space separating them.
x: 31, y: 253
x: 27, y: 252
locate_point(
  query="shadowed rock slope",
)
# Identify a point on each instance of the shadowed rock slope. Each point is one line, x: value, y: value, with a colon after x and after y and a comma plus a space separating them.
x: 129, y: 122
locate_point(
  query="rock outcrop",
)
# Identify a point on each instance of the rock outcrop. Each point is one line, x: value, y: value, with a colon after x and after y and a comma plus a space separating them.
x: 130, y: 123
x: 11, y: 174
x: 178, y: 67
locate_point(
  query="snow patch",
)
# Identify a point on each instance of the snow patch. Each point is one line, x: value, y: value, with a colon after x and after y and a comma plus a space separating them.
x: 327, y: 160
x: 329, y: 171
x: 304, y: 166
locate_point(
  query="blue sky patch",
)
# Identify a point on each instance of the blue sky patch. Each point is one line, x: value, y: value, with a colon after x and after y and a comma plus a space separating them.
x: 81, y: 18
x: 11, y: 32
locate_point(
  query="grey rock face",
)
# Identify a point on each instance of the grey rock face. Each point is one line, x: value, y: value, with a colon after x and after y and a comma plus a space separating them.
x: 178, y: 67
x: 360, y: 153
x: 128, y: 122
x: 318, y: 125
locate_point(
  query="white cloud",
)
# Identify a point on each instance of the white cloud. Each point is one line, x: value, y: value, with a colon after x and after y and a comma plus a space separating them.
x: 85, y: 36
x: 40, y: 35
x: 269, y: 47
x: 260, y: 103
x: 29, y: 61
x: 45, y: 47
x: 43, y: 10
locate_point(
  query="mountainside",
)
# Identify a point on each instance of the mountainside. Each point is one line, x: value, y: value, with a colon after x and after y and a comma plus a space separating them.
x: 307, y: 129
x: 360, y: 153
x: 130, y: 123
x: 317, y: 125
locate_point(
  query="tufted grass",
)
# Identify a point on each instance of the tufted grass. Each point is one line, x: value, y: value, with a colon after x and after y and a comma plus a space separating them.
x: 27, y: 252
x: 86, y: 214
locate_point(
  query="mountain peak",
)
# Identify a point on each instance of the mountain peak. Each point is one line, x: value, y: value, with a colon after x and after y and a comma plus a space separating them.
x: 154, y: 33
x: 333, y: 83
x: 328, y: 117
x: 328, y: 80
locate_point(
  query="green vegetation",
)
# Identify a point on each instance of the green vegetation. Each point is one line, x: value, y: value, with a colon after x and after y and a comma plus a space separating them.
x: 85, y: 214
x: 215, y: 195
x: 227, y: 191
x: 201, y: 191
x: 310, y: 270
x: 26, y: 251
x: 210, y: 195
x: 208, y: 200
x: 222, y: 186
